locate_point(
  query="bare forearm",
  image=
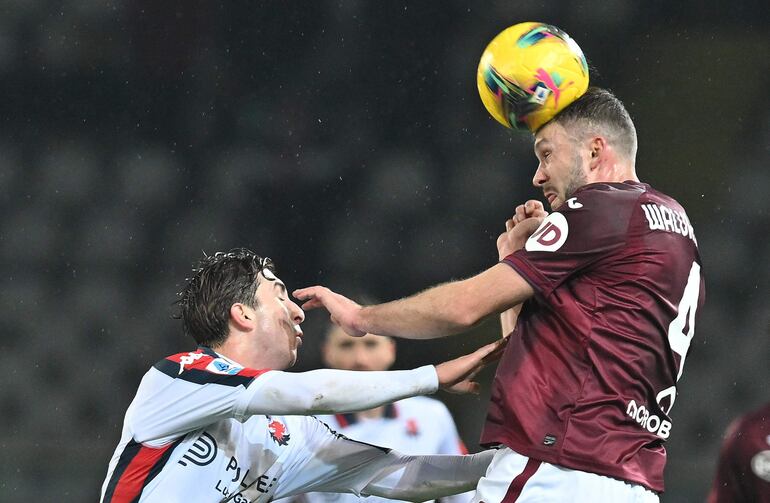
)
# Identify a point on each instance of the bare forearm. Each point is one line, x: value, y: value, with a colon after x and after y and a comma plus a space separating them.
x: 436, y: 312
x: 443, y: 310
x: 447, y: 309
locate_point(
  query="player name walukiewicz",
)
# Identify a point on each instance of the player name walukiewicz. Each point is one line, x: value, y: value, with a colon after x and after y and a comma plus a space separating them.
x: 651, y: 422
x: 663, y: 218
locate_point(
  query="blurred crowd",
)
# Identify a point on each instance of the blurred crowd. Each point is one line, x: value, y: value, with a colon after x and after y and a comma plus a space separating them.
x: 346, y: 141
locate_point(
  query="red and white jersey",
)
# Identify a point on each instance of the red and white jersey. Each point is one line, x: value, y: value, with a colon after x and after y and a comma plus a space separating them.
x: 743, y: 471
x: 189, y: 435
x: 417, y: 425
x: 589, y: 377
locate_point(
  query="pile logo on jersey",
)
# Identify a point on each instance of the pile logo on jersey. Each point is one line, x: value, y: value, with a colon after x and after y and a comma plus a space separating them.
x: 278, y: 432
x: 221, y: 366
x: 551, y: 234
x: 202, y: 452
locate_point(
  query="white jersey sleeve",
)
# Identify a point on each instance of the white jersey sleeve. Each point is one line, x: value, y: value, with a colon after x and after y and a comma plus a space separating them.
x: 187, y: 391
x: 328, y: 391
x: 451, y: 444
x: 334, y: 463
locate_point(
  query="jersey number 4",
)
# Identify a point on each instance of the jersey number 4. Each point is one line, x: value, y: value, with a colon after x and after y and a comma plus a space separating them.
x: 682, y: 328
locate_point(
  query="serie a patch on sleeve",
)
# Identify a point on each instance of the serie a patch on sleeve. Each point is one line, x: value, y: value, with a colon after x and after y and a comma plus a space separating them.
x: 206, y: 367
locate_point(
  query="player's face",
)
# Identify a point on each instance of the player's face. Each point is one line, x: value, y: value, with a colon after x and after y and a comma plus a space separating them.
x: 562, y: 168
x: 370, y: 352
x: 278, y: 323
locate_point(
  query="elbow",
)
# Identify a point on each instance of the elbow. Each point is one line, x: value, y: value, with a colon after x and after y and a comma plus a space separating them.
x: 319, y: 404
x: 146, y: 433
x: 465, y: 317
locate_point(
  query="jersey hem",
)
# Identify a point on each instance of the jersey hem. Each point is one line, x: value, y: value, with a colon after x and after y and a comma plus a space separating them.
x: 573, y: 463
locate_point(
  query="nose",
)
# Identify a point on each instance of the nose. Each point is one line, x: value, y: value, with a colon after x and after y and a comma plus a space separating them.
x: 540, y: 177
x: 297, y: 314
x: 361, y: 358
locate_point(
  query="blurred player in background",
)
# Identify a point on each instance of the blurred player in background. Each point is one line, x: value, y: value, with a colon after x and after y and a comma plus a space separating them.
x: 213, y: 425
x: 608, y: 286
x: 743, y: 471
x: 416, y: 425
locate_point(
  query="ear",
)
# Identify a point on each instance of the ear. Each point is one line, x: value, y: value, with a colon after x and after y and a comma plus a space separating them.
x: 242, y: 316
x: 597, y: 148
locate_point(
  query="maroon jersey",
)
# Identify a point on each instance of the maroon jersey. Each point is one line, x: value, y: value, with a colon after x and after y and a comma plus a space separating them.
x: 589, y: 376
x: 743, y: 473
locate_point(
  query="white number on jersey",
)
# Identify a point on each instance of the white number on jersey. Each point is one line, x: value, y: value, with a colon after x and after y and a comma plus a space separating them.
x: 678, y: 338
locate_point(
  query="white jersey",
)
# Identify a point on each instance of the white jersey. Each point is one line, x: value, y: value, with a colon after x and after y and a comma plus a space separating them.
x: 417, y: 425
x: 203, y: 428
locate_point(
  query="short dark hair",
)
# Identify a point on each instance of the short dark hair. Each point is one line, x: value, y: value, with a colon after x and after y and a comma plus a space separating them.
x: 219, y: 281
x: 600, y: 111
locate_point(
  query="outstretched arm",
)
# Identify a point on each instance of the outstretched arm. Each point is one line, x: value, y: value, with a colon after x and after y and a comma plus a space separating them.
x: 439, y: 311
x: 445, y: 309
x: 423, y: 478
x: 335, y: 464
x: 171, y: 402
x: 328, y: 391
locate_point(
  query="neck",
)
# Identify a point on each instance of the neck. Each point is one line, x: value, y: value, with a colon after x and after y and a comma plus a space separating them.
x: 615, y: 172
x: 240, y: 354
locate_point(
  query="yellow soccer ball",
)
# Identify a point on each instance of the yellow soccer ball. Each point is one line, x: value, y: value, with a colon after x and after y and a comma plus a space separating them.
x: 528, y: 73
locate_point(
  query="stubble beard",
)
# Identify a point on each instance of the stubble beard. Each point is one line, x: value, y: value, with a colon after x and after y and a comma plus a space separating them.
x: 577, y: 177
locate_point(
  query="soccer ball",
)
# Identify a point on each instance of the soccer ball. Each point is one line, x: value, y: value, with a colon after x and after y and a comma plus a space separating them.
x: 528, y: 73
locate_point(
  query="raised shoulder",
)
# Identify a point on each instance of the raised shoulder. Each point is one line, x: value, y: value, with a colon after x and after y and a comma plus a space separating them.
x: 605, y: 196
x: 596, y: 217
x: 204, y: 366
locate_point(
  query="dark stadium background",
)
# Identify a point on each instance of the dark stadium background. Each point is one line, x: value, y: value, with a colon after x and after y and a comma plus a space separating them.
x: 346, y: 140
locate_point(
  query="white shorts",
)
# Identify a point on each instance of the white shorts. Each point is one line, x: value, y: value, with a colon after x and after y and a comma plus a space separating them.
x: 512, y: 477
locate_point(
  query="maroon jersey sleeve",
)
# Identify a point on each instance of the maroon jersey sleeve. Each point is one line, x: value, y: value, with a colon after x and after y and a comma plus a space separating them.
x: 586, y: 229
x: 743, y: 470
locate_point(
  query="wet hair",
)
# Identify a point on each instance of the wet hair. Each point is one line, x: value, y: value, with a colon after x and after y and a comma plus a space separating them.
x: 599, y: 112
x: 219, y: 281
